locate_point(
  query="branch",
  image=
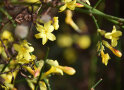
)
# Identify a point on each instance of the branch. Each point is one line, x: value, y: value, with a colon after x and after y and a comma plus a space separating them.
x: 96, y: 84
x: 7, y: 53
x: 94, y: 11
x: 8, y: 16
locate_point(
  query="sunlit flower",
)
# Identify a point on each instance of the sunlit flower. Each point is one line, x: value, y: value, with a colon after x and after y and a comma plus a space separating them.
x: 71, y: 4
x: 24, y: 51
x: 45, y: 32
x: 105, y: 57
x: 56, y: 23
x: 56, y: 68
x: 114, y: 36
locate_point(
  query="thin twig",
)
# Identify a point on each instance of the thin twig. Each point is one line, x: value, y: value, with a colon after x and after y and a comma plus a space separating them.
x: 10, y: 71
x: 97, y: 12
x: 46, y: 12
x: 95, y: 21
x: 8, y: 16
x: 6, y: 51
x: 38, y: 9
x: 96, y: 84
x: 5, y: 66
x: 99, y: 1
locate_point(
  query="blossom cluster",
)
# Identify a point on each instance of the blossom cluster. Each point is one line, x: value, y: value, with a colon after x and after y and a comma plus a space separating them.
x: 19, y: 55
x: 113, y: 36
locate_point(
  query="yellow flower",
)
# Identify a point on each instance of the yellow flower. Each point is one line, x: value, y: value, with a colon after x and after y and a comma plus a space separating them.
x: 45, y: 32
x: 32, y: 82
x: 116, y: 52
x: 6, y: 35
x: 24, y: 51
x: 71, y: 4
x: 56, y: 68
x: 36, y: 70
x: 68, y: 4
x: 102, y: 32
x: 56, y: 23
x: 42, y: 85
x: 8, y: 78
x: 105, y: 57
x: 114, y: 36
x: 70, y: 21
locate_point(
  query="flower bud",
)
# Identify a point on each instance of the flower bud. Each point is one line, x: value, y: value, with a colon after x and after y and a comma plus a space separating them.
x: 102, y: 32
x: 79, y: 5
x: 56, y: 23
x: 106, y: 44
x: 116, y: 52
x: 68, y: 70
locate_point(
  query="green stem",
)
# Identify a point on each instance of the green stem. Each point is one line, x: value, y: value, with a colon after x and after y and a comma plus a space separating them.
x: 97, y: 12
x: 47, y: 84
x: 95, y: 21
x: 41, y: 71
x: 96, y: 84
x: 6, y: 66
x: 8, y: 16
x: 97, y: 3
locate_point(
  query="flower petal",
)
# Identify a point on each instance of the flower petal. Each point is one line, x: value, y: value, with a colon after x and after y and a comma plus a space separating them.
x: 62, y: 8
x: 39, y: 35
x: 39, y: 27
x: 51, y: 36
x: 50, y: 29
x: 27, y: 56
x: 117, y: 34
x: 71, y: 5
x: 47, y: 25
x: 114, y: 29
x: 31, y: 49
x: 114, y: 42
x: 52, y: 62
x: 44, y: 40
x: 16, y: 47
x: 108, y: 35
